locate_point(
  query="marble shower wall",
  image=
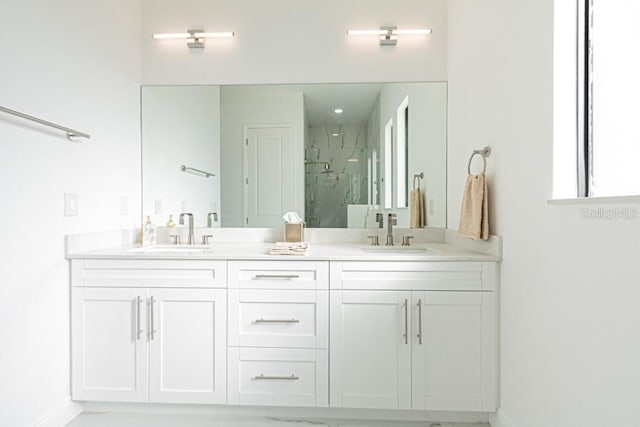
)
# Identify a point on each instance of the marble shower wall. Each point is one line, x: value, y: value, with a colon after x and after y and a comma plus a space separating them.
x: 336, y: 173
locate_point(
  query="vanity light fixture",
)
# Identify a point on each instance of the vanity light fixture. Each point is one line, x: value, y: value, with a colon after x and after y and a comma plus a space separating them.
x: 389, y: 34
x: 195, y: 38
x: 338, y: 111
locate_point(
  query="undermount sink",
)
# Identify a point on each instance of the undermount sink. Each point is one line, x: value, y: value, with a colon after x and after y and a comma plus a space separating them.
x: 400, y: 250
x: 181, y: 249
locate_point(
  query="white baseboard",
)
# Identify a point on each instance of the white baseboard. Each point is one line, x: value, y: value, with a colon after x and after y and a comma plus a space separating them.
x: 61, y: 415
x: 499, y: 419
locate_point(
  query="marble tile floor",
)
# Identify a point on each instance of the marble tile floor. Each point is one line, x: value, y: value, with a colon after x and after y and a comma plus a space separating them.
x: 112, y: 419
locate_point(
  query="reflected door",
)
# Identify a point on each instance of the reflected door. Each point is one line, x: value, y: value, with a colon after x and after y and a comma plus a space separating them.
x: 269, y: 175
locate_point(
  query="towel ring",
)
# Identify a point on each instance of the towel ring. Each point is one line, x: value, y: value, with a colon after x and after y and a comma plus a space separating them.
x: 485, y: 152
x: 484, y: 166
x: 417, y: 177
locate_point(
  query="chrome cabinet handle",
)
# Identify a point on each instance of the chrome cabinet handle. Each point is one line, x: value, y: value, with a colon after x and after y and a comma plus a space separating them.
x: 138, y: 329
x: 420, y: 321
x: 276, y: 321
x: 292, y: 377
x: 276, y: 276
x: 152, y: 316
x: 406, y: 321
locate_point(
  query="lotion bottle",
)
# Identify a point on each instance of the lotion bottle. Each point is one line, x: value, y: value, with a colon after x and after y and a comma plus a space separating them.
x: 149, y: 232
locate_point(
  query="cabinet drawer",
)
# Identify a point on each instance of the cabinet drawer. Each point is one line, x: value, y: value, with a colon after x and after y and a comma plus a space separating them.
x: 437, y: 276
x: 281, y: 377
x: 149, y: 273
x: 273, y: 318
x: 278, y: 275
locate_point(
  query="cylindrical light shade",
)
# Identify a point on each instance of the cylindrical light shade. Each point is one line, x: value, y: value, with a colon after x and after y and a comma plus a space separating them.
x: 198, y: 35
x: 172, y: 36
x: 412, y: 32
x: 366, y: 32
x: 214, y: 35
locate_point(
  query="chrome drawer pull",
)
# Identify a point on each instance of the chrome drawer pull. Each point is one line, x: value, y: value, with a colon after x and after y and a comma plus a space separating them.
x: 420, y: 321
x: 276, y: 321
x: 292, y: 377
x: 276, y: 276
x: 152, y: 333
x: 406, y: 321
x: 138, y: 330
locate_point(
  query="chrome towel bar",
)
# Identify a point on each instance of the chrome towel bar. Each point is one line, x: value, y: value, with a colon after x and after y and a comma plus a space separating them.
x: 72, y: 135
x: 197, y: 171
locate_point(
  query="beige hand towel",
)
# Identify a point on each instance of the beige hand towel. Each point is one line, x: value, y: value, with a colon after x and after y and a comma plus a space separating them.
x: 417, y: 209
x: 474, y: 218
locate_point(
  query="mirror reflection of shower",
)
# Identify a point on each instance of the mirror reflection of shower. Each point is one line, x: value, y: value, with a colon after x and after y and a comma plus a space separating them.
x: 336, y: 171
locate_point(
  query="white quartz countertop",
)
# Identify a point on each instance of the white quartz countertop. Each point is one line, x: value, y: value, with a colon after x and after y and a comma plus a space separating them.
x: 317, y: 252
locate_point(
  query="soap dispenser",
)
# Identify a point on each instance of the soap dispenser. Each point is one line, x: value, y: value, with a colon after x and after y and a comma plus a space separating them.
x: 148, y: 232
x: 172, y: 231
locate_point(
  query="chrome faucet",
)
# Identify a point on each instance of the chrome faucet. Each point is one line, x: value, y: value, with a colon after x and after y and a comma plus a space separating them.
x: 392, y: 219
x: 182, y: 215
x: 379, y: 219
x: 211, y: 218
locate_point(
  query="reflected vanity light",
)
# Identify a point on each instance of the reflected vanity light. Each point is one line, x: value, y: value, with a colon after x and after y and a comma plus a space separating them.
x: 389, y: 35
x: 195, y: 38
x: 338, y: 111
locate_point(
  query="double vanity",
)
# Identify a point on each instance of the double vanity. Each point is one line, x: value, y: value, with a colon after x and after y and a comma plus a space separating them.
x: 347, y: 326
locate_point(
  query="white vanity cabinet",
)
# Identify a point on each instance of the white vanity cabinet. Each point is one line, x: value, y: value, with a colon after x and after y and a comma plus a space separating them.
x: 149, y: 331
x: 413, y: 335
x: 278, y: 333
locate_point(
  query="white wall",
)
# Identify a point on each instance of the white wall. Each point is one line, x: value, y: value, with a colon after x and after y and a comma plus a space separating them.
x: 288, y: 41
x: 246, y: 105
x: 75, y: 63
x: 569, y: 292
x: 181, y: 126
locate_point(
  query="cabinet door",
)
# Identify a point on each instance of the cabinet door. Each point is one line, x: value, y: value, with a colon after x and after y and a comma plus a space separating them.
x: 453, y: 350
x: 109, y: 344
x: 187, y: 335
x: 370, y: 349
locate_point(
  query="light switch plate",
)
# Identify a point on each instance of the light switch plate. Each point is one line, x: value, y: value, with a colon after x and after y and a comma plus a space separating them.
x: 124, y: 206
x: 70, y: 204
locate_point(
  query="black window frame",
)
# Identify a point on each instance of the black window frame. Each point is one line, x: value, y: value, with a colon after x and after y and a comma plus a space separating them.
x: 584, y: 59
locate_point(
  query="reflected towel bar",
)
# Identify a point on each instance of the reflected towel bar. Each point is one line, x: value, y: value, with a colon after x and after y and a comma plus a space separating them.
x: 72, y: 135
x: 197, y: 171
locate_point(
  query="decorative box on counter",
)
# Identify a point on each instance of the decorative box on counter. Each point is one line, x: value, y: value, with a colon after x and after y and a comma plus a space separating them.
x: 294, y: 232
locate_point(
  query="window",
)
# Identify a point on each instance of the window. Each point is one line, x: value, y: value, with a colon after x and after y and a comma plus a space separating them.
x: 388, y: 165
x: 608, y: 126
x: 402, y: 158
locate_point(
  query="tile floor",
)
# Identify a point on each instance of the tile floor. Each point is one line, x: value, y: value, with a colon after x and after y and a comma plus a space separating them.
x: 110, y: 419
